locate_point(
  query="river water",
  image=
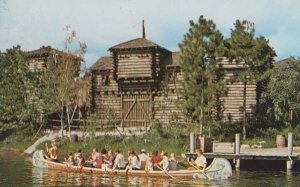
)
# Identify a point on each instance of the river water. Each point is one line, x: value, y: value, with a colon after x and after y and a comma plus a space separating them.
x: 18, y: 171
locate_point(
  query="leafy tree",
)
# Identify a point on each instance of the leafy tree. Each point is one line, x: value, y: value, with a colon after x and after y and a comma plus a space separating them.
x: 64, y: 91
x: 198, y: 52
x: 283, y: 90
x: 254, y: 53
x: 16, y: 84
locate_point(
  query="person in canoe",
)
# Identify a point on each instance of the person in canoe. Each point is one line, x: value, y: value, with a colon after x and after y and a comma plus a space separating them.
x: 109, y: 161
x: 119, y: 161
x: 79, y: 160
x: 156, y: 159
x: 200, y: 162
x: 164, y: 162
x: 143, y: 158
x: 96, y: 161
x: 133, y: 162
x: 173, y: 162
x: 70, y: 161
x: 52, y: 152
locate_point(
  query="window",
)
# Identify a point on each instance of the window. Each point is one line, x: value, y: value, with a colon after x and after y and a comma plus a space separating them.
x: 104, y: 79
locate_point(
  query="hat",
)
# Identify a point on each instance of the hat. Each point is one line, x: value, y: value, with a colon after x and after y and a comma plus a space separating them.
x: 143, y: 151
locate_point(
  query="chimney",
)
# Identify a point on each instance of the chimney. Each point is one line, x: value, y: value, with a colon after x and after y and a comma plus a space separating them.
x: 144, y: 33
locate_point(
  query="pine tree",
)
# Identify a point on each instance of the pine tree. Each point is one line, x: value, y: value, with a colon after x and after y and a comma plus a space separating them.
x: 254, y: 53
x: 198, y: 52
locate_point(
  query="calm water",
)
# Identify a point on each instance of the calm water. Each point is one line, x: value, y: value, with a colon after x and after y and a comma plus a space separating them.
x: 18, y: 171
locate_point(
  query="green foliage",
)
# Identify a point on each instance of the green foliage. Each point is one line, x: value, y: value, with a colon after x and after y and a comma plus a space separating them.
x: 269, y: 142
x: 225, y: 131
x: 198, y: 52
x: 19, y: 140
x: 17, y: 106
x: 283, y: 90
x: 91, y: 126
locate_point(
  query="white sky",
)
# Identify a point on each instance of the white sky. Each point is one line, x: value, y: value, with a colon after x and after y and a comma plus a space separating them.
x: 104, y: 23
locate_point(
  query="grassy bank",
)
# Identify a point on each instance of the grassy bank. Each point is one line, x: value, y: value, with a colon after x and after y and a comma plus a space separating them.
x: 169, y: 138
x: 18, y: 141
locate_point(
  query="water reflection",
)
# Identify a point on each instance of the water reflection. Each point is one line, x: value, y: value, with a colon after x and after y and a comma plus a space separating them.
x: 44, y: 177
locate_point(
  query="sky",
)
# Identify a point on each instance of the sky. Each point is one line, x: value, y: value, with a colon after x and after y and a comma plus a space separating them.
x: 105, y: 23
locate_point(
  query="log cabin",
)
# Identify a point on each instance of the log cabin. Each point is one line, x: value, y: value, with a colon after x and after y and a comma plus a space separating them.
x: 138, y: 83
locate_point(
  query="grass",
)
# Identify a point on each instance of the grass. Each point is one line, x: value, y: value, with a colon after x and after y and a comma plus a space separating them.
x: 18, y: 141
x: 270, y: 142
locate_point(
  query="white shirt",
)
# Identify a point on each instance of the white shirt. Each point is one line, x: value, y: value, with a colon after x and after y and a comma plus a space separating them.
x: 143, y: 157
x: 165, y: 163
x: 119, y: 161
x: 200, y: 161
x: 134, y: 162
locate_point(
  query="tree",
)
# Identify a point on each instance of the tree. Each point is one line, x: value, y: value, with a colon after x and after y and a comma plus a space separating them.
x: 63, y: 90
x: 198, y: 52
x: 254, y: 53
x: 284, y: 90
x: 16, y: 84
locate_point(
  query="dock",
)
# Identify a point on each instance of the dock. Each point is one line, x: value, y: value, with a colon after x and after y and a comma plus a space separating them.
x: 289, y: 154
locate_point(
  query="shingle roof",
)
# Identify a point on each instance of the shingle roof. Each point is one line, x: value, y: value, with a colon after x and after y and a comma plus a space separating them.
x: 46, y: 51
x: 103, y: 63
x: 136, y: 43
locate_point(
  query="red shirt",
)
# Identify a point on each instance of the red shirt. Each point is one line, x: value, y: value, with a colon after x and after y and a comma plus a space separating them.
x: 156, y: 159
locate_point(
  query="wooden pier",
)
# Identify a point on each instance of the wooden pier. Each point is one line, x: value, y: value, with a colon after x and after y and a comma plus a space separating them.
x: 280, y: 154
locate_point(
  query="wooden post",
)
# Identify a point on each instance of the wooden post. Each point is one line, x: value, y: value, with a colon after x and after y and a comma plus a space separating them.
x: 192, y: 142
x: 237, y: 150
x: 289, y: 163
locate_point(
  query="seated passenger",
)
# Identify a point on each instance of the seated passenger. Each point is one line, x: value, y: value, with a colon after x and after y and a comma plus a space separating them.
x: 70, y: 161
x: 200, y: 162
x: 79, y: 160
x: 97, y: 159
x: 156, y: 159
x: 133, y: 162
x: 119, y: 161
x: 149, y: 164
x: 109, y: 161
x: 165, y: 161
x: 52, y: 153
x: 173, y: 162
x: 143, y: 158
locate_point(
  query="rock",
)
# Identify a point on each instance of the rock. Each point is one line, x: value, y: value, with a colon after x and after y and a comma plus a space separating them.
x: 255, y: 146
x: 245, y: 146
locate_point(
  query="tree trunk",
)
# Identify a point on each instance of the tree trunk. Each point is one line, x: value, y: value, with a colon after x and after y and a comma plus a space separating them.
x: 201, y: 114
x: 244, y: 111
x: 62, y: 121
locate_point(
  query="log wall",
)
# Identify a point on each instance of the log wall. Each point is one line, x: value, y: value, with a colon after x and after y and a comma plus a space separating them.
x: 134, y: 65
x: 232, y: 101
x: 167, y: 102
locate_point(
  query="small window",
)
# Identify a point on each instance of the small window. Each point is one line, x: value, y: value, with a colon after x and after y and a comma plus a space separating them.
x: 171, y: 75
x: 104, y: 79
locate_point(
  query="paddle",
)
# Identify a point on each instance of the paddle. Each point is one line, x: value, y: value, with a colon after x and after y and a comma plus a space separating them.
x: 165, y: 172
x: 203, y: 172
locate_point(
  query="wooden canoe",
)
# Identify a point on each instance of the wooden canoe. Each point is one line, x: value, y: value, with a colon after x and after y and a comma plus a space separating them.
x: 220, y: 168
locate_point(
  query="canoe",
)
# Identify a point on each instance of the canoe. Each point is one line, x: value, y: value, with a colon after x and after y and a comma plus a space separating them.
x: 220, y: 168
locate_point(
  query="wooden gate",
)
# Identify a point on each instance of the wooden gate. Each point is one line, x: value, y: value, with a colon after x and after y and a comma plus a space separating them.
x: 136, y: 110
